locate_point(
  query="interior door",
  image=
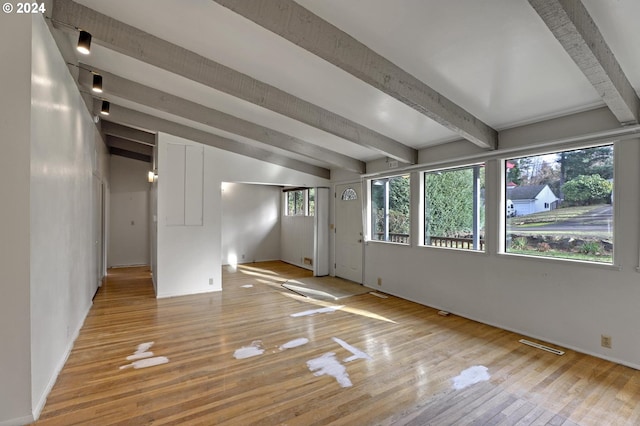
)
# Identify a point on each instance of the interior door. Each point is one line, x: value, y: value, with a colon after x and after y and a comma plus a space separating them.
x: 97, y: 232
x: 349, y: 232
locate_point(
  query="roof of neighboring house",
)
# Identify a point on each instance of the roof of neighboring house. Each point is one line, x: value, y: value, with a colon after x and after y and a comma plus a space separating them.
x: 526, y: 192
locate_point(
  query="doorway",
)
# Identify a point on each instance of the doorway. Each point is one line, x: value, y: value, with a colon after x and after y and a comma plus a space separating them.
x: 98, y: 233
x: 348, y: 231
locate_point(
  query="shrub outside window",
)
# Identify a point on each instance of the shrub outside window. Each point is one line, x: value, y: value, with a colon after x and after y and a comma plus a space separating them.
x: 390, y: 209
x: 454, y: 208
x: 561, y: 205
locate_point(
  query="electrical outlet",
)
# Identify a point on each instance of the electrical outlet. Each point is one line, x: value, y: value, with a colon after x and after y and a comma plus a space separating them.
x: 243, y: 256
x: 210, y: 281
x: 605, y: 341
x: 379, y: 281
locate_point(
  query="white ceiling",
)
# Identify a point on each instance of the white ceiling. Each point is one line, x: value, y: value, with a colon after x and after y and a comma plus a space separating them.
x: 495, y: 58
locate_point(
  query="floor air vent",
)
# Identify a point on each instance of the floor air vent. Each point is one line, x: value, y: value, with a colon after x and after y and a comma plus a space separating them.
x: 543, y: 347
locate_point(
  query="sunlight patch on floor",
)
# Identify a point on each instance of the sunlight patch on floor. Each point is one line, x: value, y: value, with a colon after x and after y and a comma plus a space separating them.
x: 245, y: 269
x: 263, y: 274
x: 345, y: 308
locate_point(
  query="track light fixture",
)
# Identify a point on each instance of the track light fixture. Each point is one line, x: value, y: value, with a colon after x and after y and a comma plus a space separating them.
x: 84, y: 42
x: 105, y: 108
x: 97, y: 83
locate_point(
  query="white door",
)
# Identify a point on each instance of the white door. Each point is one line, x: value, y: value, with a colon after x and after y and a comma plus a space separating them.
x: 349, y: 232
x: 97, y: 233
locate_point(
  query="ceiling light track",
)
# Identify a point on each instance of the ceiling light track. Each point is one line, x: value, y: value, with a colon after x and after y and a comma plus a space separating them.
x: 97, y: 83
x: 104, y: 109
x: 84, y: 37
x: 84, y: 42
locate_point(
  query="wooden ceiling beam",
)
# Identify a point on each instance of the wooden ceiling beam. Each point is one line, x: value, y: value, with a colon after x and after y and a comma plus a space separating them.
x: 573, y: 27
x: 300, y: 26
x: 144, y: 95
x: 128, y: 145
x: 129, y: 117
x: 130, y: 41
x: 124, y: 132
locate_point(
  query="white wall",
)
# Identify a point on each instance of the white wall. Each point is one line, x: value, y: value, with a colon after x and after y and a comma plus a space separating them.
x: 321, y: 233
x: 189, y: 257
x: 297, y: 240
x: 66, y: 164
x: 566, y: 303
x: 129, y: 213
x: 250, y: 222
x: 153, y: 222
x: 15, y: 104
x: 50, y: 165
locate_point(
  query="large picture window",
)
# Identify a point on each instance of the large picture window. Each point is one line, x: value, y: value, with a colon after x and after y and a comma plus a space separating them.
x: 561, y: 205
x: 454, y: 208
x: 390, y: 209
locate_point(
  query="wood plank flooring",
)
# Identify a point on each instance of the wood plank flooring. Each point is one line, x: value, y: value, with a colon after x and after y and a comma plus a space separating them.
x: 415, y: 355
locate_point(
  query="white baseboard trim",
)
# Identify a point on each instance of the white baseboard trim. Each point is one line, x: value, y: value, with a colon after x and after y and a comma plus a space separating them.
x: 178, y: 294
x: 299, y: 265
x: 625, y: 363
x: 37, y: 410
x: 18, y: 421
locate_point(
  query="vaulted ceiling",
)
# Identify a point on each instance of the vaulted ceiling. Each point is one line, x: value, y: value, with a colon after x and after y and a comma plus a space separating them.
x: 319, y: 85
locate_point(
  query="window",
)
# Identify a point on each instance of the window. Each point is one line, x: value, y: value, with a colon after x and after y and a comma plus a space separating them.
x: 349, y: 194
x: 300, y: 202
x: 295, y: 203
x: 311, y: 202
x: 562, y: 204
x: 390, y: 207
x: 454, y: 208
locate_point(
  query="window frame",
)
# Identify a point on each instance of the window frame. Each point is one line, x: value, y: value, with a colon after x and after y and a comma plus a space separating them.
x: 477, y: 244
x: 505, y: 232
x: 401, y: 238
x: 302, y: 199
x: 310, y: 202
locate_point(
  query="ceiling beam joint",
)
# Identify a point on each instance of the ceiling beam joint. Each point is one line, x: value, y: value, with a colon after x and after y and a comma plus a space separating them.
x: 573, y: 27
x: 300, y: 26
x: 133, y: 42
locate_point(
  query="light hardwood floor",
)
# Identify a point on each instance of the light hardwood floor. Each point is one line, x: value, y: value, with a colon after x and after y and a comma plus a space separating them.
x: 415, y: 355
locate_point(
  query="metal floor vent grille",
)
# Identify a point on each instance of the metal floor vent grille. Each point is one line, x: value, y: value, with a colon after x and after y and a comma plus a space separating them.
x: 543, y: 347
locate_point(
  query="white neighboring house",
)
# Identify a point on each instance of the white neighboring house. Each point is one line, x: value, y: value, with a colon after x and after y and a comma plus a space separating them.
x: 530, y: 199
